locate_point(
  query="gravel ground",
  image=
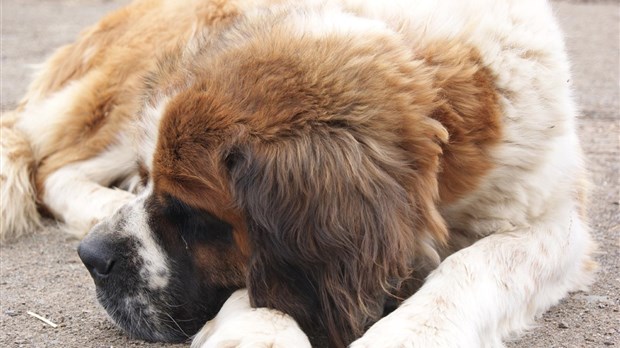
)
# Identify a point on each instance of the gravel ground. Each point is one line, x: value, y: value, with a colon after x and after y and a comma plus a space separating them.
x: 43, y: 274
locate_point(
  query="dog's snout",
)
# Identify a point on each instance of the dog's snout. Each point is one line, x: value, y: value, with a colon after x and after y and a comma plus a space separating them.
x: 98, y: 256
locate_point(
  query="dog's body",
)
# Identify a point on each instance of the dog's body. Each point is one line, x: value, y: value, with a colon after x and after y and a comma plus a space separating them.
x: 319, y: 153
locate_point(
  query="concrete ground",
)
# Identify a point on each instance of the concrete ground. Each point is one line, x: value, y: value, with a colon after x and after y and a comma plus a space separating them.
x: 43, y: 274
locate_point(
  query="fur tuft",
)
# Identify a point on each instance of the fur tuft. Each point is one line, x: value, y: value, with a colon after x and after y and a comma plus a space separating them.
x: 18, y: 208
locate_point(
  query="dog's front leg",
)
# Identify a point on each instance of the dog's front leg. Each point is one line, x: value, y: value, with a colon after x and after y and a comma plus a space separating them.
x: 493, y: 288
x: 79, y: 195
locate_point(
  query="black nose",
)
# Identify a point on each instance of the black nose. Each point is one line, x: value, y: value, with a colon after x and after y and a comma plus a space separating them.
x: 97, y: 255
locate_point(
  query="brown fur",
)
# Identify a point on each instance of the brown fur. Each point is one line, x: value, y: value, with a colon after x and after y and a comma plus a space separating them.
x: 470, y: 112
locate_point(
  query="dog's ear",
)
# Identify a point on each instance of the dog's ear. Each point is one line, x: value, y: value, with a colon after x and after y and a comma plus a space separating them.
x: 332, y: 217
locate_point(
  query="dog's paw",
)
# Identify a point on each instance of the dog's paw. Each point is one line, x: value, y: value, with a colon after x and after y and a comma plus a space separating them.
x: 239, y: 325
x: 389, y: 335
x: 403, y: 329
x: 82, y: 219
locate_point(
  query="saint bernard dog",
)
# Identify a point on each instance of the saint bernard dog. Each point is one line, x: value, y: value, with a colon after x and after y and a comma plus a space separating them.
x: 376, y: 173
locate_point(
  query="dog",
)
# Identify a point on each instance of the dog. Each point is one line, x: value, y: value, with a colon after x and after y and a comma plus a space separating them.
x: 387, y: 174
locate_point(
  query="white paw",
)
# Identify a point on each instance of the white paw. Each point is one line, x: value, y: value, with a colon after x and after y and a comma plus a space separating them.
x: 239, y: 325
x: 82, y: 219
x: 115, y: 199
x: 386, y: 335
x: 399, y: 330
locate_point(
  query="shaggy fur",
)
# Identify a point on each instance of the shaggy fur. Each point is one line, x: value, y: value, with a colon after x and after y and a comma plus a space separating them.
x: 327, y: 155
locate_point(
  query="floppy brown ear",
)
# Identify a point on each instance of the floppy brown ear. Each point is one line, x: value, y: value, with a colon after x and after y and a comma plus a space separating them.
x: 332, y: 223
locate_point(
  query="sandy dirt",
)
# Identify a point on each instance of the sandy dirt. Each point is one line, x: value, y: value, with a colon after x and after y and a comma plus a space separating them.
x: 42, y: 273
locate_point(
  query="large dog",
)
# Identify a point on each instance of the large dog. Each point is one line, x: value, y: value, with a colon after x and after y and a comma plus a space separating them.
x: 330, y: 156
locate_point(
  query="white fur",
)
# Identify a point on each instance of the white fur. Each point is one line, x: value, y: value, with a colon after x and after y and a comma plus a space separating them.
x: 155, y: 268
x: 239, y: 325
x: 328, y: 18
x: 147, y: 129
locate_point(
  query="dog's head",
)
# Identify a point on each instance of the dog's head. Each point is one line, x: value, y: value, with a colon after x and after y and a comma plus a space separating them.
x: 292, y: 156
x: 163, y: 268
